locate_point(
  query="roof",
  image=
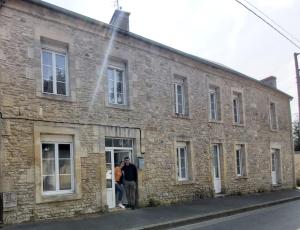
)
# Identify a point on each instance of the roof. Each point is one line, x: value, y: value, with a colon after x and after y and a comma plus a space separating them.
x: 149, y: 41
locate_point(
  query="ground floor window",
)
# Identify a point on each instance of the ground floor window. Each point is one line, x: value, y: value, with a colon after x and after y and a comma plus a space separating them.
x: 57, y: 168
x: 275, y: 166
x: 182, y: 161
x: 240, y: 157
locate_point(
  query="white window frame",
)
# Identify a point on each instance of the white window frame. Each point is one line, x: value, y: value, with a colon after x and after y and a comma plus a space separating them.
x: 182, y: 98
x: 58, y: 191
x: 273, y: 119
x: 179, y: 166
x: 115, y: 102
x: 213, y: 111
x: 53, y: 55
x: 236, y: 109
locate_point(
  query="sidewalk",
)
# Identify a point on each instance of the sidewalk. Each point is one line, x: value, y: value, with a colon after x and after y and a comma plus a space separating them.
x: 166, y: 216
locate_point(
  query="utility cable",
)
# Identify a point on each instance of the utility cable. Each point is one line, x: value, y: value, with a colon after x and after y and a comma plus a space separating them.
x: 282, y: 34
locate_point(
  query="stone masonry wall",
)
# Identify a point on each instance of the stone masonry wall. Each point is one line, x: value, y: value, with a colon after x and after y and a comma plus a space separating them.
x: 150, y: 72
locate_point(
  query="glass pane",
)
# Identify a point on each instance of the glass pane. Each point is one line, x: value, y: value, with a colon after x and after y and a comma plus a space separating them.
x: 61, y: 88
x: 49, y: 183
x: 108, y: 183
x: 64, y: 167
x: 65, y: 182
x: 111, y: 86
x: 127, y: 143
x: 48, y: 86
x: 60, y: 61
x: 118, y: 142
x: 216, y: 161
x: 179, y: 90
x: 60, y: 75
x: 48, y: 151
x: 180, y: 109
x: 111, y: 98
x: 108, y: 142
x: 64, y: 151
x: 47, y: 58
x: 47, y: 73
x: 119, y: 87
x: 119, y: 76
x: 178, y: 166
x: 183, y: 174
x: 48, y: 167
x: 120, y: 98
x: 108, y: 157
x: 238, y: 163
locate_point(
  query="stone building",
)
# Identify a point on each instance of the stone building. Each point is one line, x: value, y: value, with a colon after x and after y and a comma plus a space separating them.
x: 77, y: 95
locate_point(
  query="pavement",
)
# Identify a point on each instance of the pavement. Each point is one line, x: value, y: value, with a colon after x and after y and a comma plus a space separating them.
x: 165, y: 217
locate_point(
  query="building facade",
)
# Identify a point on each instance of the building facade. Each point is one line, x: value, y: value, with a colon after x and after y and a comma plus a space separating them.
x: 78, y: 95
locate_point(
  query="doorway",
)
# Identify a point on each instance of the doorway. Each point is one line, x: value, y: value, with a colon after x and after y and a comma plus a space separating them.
x: 275, y: 166
x: 116, y: 149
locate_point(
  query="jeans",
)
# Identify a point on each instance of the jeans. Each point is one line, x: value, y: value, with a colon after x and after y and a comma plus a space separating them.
x: 130, y: 188
x: 119, y: 192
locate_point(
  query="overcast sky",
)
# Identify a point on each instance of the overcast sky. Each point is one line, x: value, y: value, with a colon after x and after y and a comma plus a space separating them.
x: 218, y: 30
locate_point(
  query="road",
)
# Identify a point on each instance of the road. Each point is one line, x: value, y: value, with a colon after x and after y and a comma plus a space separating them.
x: 284, y: 216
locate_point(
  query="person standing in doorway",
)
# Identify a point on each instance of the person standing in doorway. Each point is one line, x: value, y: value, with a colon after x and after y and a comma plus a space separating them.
x: 130, y: 176
x: 118, y: 184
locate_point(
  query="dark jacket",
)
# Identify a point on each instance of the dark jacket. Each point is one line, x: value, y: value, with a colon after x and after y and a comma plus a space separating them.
x: 130, y: 172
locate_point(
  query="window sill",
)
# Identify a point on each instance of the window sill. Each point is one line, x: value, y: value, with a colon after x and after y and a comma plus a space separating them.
x: 215, y: 121
x: 182, y: 116
x: 241, y: 178
x: 276, y: 185
x: 56, y: 97
x: 274, y: 130
x: 59, y: 197
x: 116, y: 106
x: 238, y: 125
x: 184, y: 182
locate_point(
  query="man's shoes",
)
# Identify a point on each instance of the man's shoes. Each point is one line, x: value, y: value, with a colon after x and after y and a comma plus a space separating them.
x: 121, y: 206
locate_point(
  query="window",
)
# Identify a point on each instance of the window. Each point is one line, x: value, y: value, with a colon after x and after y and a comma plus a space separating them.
x: 275, y: 166
x: 214, y: 103
x: 57, y: 168
x: 179, y: 98
x: 54, y: 71
x: 216, y: 160
x: 237, y: 108
x: 182, y: 161
x: 116, y: 86
x: 240, y: 157
x: 273, y: 117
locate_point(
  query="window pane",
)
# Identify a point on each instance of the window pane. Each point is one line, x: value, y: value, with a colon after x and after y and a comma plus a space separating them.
x: 111, y: 98
x: 49, y: 183
x: 48, y: 86
x: 178, y: 168
x: 108, y: 157
x: 47, y: 73
x: 120, y: 98
x: 60, y: 61
x: 65, y: 182
x: 64, y: 167
x: 118, y: 142
x: 110, y: 74
x: 127, y: 143
x: 119, y: 75
x: 179, y: 90
x: 61, y: 88
x: 64, y: 151
x: 108, y: 142
x: 48, y: 151
x: 111, y: 86
x: 47, y: 58
x: 238, y: 162
x: 119, y: 87
x: 48, y: 167
x: 180, y: 109
x: 60, y: 75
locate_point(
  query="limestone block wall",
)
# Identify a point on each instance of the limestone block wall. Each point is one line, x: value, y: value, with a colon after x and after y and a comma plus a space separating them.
x: 86, y: 115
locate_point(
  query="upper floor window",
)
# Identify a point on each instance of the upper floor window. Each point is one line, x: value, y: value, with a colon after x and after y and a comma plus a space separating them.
x: 116, y: 85
x: 237, y: 106
x: 273, y: 116
x: 57, y: 168
x: 54, y: 71
x: 214, y: 103
x: 180, y: 96
x: 182, y: 161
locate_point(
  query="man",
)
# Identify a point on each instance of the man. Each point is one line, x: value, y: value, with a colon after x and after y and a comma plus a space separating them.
x: 118, y: 184
x: 130, y: 175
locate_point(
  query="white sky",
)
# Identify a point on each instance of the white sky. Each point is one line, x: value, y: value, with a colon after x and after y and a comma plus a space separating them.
x: 218, y: 30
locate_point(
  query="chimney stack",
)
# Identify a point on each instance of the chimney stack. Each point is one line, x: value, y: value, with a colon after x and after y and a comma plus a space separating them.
x: 120, y: 19
x: 270, y: 81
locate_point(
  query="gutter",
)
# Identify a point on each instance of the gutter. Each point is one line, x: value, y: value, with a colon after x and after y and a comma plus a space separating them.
x: 151, y: 42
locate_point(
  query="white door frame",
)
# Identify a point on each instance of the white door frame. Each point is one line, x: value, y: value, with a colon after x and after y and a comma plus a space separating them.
x: 216, y: 180
x: 110, y: 192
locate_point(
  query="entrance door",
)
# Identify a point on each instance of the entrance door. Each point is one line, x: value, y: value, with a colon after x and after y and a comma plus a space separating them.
x: 274, y: 164
x: 216, y: 168
x: 110, y: 179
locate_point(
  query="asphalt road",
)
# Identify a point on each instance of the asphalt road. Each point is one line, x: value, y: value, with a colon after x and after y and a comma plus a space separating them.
x: 284, y: 217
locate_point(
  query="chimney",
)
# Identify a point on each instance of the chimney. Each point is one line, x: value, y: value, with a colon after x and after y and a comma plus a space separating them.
x: 270, y: 81
x: 120, y: 19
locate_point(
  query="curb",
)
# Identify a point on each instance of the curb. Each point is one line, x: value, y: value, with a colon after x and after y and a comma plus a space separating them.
x: 201, y: 218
